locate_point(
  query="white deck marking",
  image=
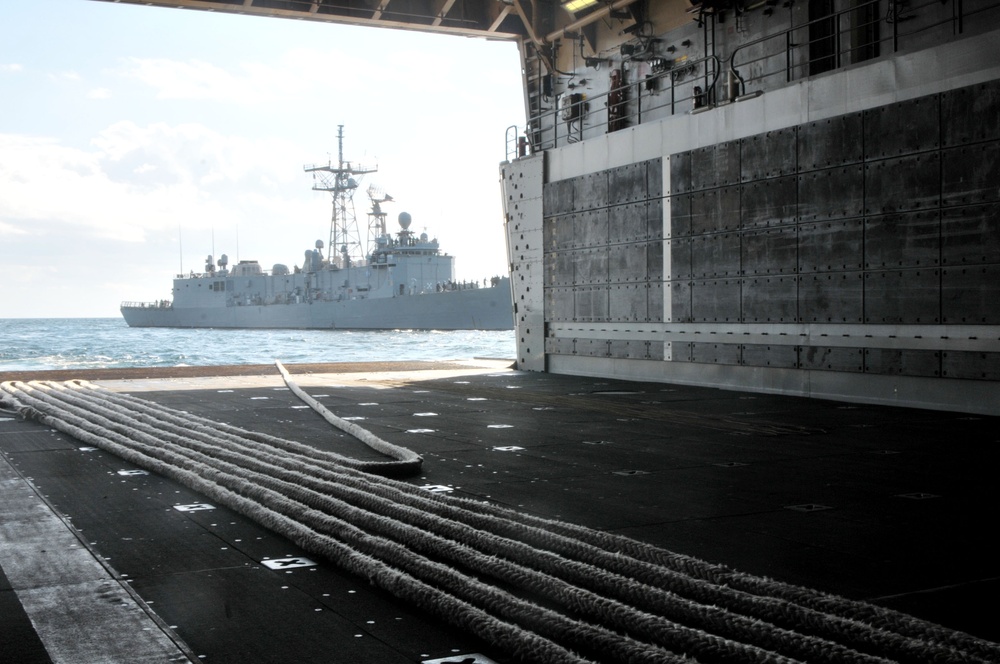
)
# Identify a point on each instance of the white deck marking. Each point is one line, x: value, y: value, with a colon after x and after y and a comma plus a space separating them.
x: 73, y: 602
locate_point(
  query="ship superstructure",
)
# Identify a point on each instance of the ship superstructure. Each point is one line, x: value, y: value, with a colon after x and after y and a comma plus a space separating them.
x: 369, y: 279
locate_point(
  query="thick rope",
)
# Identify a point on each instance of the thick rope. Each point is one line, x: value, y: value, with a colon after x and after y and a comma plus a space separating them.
x: 472, y: 564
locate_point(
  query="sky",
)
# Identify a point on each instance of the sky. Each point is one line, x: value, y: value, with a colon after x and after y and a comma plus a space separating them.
x: 135, y: 141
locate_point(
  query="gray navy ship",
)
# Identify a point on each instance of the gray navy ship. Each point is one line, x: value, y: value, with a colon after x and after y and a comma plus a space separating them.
x: 377, y: 280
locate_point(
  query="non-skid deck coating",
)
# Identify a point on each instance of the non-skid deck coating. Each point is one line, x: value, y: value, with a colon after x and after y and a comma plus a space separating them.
x: 889, y: 505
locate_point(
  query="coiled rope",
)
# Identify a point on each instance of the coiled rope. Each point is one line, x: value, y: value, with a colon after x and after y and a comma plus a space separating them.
x: 541, y: 590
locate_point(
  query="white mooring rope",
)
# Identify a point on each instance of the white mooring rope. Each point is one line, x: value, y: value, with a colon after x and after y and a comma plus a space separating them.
x: 541, y: 590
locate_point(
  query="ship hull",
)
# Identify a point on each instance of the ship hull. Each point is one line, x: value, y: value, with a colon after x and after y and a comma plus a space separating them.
x: 471, y: 309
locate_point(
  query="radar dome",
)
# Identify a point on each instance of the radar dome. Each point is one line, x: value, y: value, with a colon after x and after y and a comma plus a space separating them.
x: 319, y: 244
x: 404, y: 220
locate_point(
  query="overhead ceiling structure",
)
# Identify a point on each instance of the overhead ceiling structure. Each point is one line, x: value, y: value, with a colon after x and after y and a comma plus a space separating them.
x: 498, y: 19
x: 539, y: 21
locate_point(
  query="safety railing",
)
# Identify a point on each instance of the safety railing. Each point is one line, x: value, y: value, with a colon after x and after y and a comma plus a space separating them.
x: 868, y: 30
x: 159, y: 304
x: 862, y: 32
x: 683, y: 87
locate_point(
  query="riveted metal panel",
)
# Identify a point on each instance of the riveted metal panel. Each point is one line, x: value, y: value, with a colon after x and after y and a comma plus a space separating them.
x: 681, y: 352
x: 559, y: 232
x: 560, y: 346
x: 769, y: 202
x: 590, y: 228
x: 627, y: 184
x: 715, y: 166
x: 727, y: 163
x: 970, y: 365
x: 971, y: 294
x: 703, y: 173
x: 628, y: 223
x: 715, y: 210
x: 560, y: 268
x: 524, y: 205
x: 680, y: 214
x: 971, y: 114
x: 557, y: 197
x: 591, y: 266
x: 627, y: 263
x: 654, y: 301
x: 654, y: 261
x: 590, y: 191
x: 833, y: 193
x: 524, y: 245
x: 903, y: 296
x: 825, y: 358
x: 654, y: 178
x: 900, y: 185
x: 655, y: 350
x: 832, y: 142
x: 680, y: 301
x: 770, y: 251
x: 762, y: 355
x: 902, y: 362
x: 628, y: 303
x: 706, y: 353
x: 591, y: 347
x: 590, y: 304
x: 770, y: 300
x: 911, y: 239
x: 680, y: 173
x: 715, y: 301
x: 834, y: 297
x: 654, y: 218
x: 680, y: 257
x: 971, y: 174
x: 628, y: 349
x: 970, y: 235
x: 831, y: 246
x: 715, y: 255
x: 559, y: 304
x: 903, y: 128
x: 768, y: 155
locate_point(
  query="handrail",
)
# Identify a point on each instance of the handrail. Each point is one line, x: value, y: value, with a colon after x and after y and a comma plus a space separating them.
x: 159, y: 304
x: 849, y: 36
x: 633, y: 95
x: 852, y: 21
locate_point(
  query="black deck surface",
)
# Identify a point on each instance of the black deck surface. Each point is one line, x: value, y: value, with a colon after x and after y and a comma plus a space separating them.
x: 889, y: 505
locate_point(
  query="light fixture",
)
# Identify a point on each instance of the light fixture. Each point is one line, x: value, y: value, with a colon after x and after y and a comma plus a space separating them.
x: 574, y: 6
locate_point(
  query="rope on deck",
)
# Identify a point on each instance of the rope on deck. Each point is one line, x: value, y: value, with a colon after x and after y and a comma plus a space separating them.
x: 542, y: 590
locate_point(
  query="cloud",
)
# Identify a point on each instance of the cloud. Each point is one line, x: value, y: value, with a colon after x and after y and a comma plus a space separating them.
x: 300, y: 74
x: 10, y: 229
x: 139, y: 179
x: 99, y: 93
x: 190, y: 80
x: 11, y: 67
x: 65, y: 76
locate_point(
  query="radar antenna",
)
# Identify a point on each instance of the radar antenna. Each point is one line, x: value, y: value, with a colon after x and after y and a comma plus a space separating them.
x: 342, y: 180
x: 376, y: 218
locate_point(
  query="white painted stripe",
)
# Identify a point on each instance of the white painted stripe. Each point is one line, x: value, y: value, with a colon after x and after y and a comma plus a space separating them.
x: 79, y: 610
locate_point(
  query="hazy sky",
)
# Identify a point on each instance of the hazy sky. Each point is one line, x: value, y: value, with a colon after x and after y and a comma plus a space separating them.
x: 131, y: 136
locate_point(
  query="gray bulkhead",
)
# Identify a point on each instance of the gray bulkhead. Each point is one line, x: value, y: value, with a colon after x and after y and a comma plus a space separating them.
x: 834, y: 236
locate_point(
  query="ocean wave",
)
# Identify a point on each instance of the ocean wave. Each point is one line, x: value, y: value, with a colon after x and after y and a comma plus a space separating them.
x: 108, y: 343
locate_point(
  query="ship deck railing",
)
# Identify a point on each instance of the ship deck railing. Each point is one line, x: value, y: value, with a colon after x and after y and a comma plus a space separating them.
x: 160, y: 304
x: 868, y: 31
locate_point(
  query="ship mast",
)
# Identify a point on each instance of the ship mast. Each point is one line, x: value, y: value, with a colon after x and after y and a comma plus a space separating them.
x: 342, y: 180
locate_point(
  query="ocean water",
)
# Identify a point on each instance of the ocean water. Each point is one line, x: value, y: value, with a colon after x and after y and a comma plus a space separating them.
x: 69, y: 343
